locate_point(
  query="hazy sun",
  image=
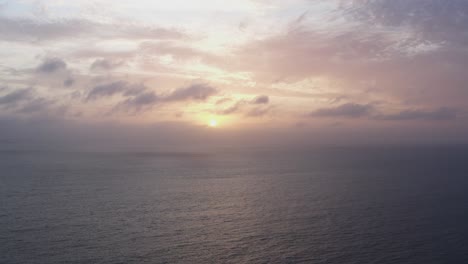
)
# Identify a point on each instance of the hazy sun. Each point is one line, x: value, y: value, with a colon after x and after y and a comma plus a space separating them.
x: 213, y: 123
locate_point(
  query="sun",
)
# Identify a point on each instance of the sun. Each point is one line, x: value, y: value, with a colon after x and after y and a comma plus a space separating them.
x: 213, y: 123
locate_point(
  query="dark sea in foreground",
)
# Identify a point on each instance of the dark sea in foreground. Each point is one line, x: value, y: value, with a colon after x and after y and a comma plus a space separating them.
x: 323, y: 205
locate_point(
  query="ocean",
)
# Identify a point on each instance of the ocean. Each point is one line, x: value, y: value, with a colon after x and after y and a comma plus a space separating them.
x: 373, y: 204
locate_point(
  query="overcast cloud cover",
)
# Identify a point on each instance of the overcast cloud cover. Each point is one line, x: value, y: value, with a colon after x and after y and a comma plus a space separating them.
x: 295, y: 72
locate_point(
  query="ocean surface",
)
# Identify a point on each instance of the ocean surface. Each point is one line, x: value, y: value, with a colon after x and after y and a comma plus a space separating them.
x: 318, y: 205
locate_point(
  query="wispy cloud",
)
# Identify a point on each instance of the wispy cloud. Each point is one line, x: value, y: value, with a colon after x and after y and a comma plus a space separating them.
x: 25, y: 29
x: 349, y: 110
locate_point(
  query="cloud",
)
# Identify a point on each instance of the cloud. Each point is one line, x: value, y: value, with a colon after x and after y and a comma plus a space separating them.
x: 246, y: 106
x: 261, y: 99
x: 26, y: 101
x: 349, y: 110
x: 257, y: 112
x: 434, y: 20
x: 28, y: 30
x: 51, y: 65
x: 113, y: 88
x: 369, y: 60
x: 231, y: 109
x: 68, y: 82
x: 357, y: 57
x: 440, y: 114
x: 105, y: 64
x: 179, y: 51
x: 106, y: 90
x: 51, y: 72
x: 13, y: 98
x: 23, y: 29
x: 139, y: 102
x: 197, y: 92
x: 35, y: 106
x: 406, y: 60
x: 302, y: 53
x: 140, y: 97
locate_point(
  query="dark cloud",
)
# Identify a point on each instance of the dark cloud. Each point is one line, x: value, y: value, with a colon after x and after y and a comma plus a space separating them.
x: 349, y: 110
x: 139, y: 102
x: 262, y: 99
x: 13, y: 98
x: 138, y: 95
x: 25, y: 101
x: 106, y: 90
x: 147, y: 98
x: 440, y: 114
x: 51, y: 65
x: 114, y: 88
x: 197, y: 92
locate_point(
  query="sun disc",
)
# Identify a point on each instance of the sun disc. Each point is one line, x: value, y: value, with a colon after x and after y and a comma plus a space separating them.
x: 213, y: 123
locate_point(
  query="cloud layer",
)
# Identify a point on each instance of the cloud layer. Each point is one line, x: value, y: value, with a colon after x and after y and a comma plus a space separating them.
x: 265, y: 65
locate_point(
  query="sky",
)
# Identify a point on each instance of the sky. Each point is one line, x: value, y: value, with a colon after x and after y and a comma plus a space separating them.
x: 158, y: 73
